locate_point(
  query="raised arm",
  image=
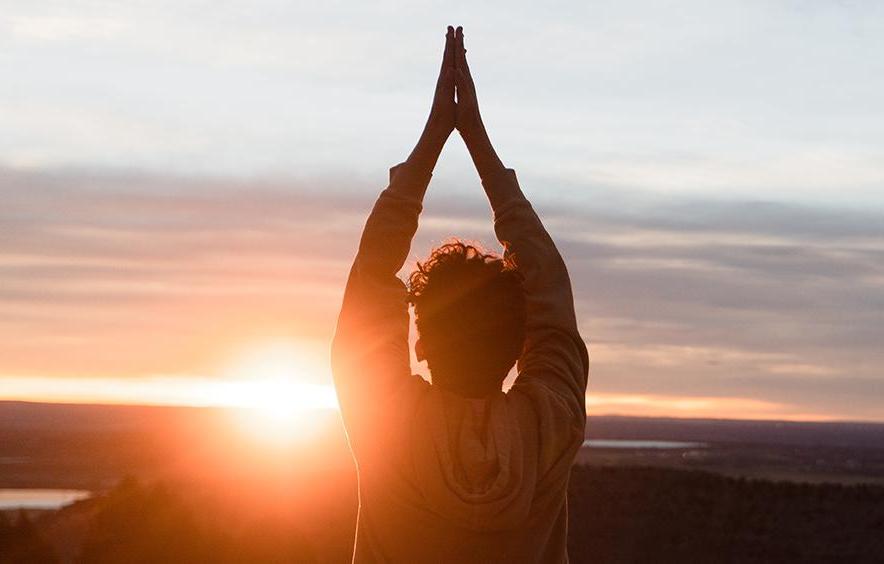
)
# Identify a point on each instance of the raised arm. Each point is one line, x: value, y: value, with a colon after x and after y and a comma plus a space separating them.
x: 370, y: 356
x: 442, y: 117
x: 555, y: 356
x: 469, y: 120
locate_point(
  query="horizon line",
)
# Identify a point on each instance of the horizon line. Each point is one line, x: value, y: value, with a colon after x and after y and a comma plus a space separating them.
x: 81, y: 403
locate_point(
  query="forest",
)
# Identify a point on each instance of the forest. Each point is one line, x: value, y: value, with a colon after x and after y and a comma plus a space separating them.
x: 616, y: 515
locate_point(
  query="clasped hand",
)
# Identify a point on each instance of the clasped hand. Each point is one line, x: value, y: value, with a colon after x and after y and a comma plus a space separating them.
x: 448, y: 113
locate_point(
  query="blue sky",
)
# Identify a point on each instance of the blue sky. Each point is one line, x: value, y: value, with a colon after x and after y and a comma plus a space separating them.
x: 714, y: 172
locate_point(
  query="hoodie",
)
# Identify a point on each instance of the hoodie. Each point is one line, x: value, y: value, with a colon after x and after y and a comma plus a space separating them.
x: 443, y: 478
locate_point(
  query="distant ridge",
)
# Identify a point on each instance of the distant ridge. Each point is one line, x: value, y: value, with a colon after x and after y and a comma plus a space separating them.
x: 23, y: 416
x: 744, y: 431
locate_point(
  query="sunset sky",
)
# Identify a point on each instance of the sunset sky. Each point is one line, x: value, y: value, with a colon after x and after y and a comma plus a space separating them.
x: 183, y: 186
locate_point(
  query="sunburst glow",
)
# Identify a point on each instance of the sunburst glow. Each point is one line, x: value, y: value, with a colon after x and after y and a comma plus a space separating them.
x: 271, y: 383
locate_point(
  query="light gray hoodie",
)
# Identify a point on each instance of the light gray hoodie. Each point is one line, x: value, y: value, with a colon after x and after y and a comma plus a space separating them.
x: 444, y: 478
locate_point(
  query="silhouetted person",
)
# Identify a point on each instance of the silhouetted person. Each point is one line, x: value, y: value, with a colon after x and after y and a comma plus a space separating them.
x: 459, y: 471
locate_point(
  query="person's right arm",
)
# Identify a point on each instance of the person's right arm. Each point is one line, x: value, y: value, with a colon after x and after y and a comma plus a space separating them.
x: 370, y: 356
x: 555, y: 356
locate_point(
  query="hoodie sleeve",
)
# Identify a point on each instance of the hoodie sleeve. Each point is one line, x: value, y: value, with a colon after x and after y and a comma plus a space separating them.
x: 370, y: 354
x: 554, y: 364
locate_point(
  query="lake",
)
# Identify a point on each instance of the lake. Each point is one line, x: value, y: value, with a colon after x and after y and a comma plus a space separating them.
x: 39, y: 499
x: 617, y: 443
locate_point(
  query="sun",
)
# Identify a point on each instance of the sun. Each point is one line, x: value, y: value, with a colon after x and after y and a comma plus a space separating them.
x: 272, y: 385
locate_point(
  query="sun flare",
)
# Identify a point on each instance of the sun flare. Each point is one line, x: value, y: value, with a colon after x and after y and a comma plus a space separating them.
x: 271, y: 385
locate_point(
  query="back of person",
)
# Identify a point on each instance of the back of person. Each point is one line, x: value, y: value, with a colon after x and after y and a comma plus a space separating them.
x: 470, y: 483
x: 459, y: 471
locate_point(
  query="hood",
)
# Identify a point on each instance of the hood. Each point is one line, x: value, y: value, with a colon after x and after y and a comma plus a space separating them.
x: 470, y: 461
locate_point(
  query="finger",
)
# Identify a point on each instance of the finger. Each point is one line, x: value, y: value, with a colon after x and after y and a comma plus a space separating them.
x: 461, y: 52
x: 448, y: 57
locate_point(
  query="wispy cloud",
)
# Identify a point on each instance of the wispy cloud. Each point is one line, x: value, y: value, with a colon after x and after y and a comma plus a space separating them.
x: 132, y: 275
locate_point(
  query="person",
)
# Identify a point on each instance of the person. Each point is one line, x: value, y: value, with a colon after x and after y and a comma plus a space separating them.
x: 458, y: 470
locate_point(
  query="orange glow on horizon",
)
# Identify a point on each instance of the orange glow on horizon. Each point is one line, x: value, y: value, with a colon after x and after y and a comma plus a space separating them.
x: 275, y: 386
x: 696, y: 407
x: 277, y: 376
x: 271, y: 405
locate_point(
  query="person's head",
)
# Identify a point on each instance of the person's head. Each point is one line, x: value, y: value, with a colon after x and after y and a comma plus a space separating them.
x: 470, y: 313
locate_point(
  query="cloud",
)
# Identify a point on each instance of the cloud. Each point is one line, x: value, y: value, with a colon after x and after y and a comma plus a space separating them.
x: 129, y: 274
x: 715, y: 97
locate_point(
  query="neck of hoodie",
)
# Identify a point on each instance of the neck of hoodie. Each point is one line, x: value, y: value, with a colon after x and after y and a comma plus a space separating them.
x: 471, y: 386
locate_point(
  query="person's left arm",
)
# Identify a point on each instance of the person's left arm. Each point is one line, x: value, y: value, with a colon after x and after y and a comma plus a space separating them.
x: 370, y: 353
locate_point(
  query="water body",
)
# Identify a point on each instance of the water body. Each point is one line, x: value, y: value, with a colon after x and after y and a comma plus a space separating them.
x: 39, y: 499
x: 623, y: 444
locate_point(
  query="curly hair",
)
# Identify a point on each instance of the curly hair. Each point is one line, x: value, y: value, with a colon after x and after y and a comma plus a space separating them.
x: 470, y: 314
